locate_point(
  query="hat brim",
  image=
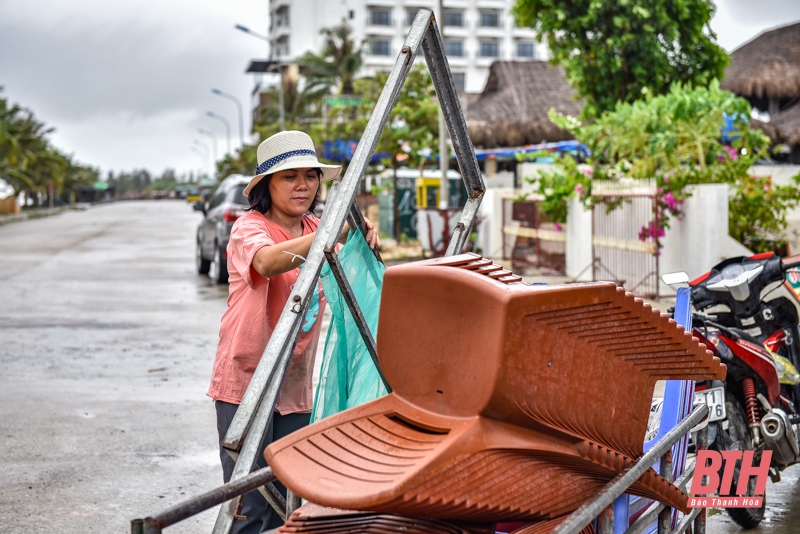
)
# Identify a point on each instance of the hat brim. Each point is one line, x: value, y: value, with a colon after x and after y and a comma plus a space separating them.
x: 329, y: 172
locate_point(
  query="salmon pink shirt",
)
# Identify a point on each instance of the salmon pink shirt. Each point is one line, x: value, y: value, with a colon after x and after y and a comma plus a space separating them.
x: 254, y: 305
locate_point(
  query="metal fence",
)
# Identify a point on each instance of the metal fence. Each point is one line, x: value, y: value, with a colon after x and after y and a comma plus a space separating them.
x: 625, y: 234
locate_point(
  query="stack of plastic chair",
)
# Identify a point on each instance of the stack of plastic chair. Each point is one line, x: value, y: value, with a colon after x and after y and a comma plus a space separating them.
x: 510, y: 402
x: 315, y: 518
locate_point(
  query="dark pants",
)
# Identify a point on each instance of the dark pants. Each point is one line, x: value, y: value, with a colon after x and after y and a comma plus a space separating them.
x: 260, y: 515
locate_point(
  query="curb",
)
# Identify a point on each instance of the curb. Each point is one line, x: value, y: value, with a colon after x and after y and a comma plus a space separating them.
x: 36, y: 214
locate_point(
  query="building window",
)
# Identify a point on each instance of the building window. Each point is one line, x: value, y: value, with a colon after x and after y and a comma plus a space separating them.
x: 282, y: 16
x: 282, y: 46
x: 460, y: 81
x: 454, y: 18
x: 490, y: 49
x: 525, y: 49
x: 490, y: 19
x: 352, y: 14
x: 379, y: 47
x: 380, y: 16
x: 454, y: 48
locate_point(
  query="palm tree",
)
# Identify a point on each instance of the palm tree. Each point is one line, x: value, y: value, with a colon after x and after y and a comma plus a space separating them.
x: 338, y: 63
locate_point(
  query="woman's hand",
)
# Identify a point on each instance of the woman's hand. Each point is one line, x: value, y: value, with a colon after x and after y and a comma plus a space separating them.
x: 372, y: 235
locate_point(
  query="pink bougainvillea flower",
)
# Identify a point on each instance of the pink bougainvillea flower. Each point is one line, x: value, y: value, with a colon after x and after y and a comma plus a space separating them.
x: 558, y: 227
x: 669, y: 199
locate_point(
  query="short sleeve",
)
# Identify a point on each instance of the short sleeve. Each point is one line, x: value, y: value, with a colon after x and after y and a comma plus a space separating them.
x: 248, y: 235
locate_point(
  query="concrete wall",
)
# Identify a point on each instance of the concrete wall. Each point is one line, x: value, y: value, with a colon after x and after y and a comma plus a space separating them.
x: 701, y: 239
x: 579, y: 241
x: 781, y: 175
x: 490, y: 230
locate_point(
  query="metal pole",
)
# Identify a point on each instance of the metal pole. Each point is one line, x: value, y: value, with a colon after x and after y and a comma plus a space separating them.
x: 179, y: 512
x: 239, y: 107
x: 292, y: 503
x: 213, y: 144
x: 205, y: 149
x: 457, y: 125
x: 605, y: 521
x: 701, y: 444
x: 224, y: 121
x: 281, y: 111
x: 665, y: 516
x: 444, y: 152
x: 203, y: 155
x: 588, y: 511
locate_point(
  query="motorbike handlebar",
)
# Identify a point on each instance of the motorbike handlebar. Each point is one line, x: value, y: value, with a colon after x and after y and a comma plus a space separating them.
x: 790, y: 263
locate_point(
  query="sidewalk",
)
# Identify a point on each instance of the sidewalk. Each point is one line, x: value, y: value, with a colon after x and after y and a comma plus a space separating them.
x: 6, y: 218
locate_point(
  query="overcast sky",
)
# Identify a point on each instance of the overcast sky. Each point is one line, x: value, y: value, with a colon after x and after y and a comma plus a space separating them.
x: 126, y: 83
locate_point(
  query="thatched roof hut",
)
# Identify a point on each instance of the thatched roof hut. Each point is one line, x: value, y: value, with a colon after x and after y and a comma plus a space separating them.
x: 787, y: 126
x: 766, y: 70
x: 512, y: 109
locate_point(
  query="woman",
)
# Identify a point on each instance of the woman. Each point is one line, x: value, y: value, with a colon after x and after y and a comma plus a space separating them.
x: 266, y: 250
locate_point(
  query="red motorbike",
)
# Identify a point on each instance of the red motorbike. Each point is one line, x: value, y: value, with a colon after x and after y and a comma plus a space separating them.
x: 758, y: 338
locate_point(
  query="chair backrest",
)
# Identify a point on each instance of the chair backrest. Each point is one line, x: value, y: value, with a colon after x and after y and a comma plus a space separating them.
x: 460, y: 337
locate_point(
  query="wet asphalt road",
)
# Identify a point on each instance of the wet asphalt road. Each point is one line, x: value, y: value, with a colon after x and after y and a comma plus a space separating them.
x: 107, y: 337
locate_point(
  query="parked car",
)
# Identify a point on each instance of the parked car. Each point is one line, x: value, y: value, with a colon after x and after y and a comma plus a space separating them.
x: 225, y: 206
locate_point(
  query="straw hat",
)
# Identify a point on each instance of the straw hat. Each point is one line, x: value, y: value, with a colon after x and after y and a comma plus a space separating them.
x: 289, y: 150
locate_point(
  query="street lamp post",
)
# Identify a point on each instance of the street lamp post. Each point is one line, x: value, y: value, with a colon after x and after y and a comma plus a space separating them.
x: 203, y: 155
x: 224, y: 121
x: 239, y: 107
x: 199, y: 143
x: 213, y: 141
x: 281, y: 112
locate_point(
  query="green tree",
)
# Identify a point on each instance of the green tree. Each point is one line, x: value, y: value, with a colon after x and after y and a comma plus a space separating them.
x: 675, y: 138
x: 411, y: 136
x: 338, y: 63
x: 30, y: 164
x: 618, y: 51
x: 244, y: 162
x: 333, y: 70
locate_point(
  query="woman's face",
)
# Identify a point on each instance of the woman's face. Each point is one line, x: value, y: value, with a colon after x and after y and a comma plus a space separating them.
x: 293, y: 190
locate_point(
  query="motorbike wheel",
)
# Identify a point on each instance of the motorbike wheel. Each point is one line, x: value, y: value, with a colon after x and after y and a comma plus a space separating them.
x: 738, y: 437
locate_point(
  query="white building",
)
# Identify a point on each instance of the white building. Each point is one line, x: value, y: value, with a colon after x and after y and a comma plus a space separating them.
x: 476, y: 32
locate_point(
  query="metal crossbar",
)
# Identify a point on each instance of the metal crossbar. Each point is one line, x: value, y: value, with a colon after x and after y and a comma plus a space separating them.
x: 588, y: 511
x: 179, y: 512
x: 252, y: 418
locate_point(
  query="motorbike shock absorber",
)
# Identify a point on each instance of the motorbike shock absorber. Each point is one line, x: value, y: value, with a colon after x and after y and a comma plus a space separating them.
x: 751, y: 409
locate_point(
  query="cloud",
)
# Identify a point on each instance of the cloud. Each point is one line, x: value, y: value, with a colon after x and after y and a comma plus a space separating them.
x: 128, y: 71
x: 739, y: 21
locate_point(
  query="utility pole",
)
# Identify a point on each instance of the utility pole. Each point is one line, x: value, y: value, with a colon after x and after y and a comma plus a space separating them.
x: 271, y: 42
x: 238, y: 107
x: 224, y: 121
x: 444, y: 151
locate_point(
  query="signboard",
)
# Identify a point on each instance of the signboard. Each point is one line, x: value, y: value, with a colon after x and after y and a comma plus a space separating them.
x: 343, y: 101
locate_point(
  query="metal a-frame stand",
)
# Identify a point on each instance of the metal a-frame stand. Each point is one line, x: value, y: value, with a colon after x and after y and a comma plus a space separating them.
x: 255, y: 411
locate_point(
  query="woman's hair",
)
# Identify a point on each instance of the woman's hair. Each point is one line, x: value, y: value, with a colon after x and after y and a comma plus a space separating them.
x: 261, y: 201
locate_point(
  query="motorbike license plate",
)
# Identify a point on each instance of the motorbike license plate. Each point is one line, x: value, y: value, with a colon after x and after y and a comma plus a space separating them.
x: 715, y: 399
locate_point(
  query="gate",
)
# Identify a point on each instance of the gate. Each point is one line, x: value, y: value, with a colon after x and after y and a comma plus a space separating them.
x: 625, y: 233
x: 530, y: 239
